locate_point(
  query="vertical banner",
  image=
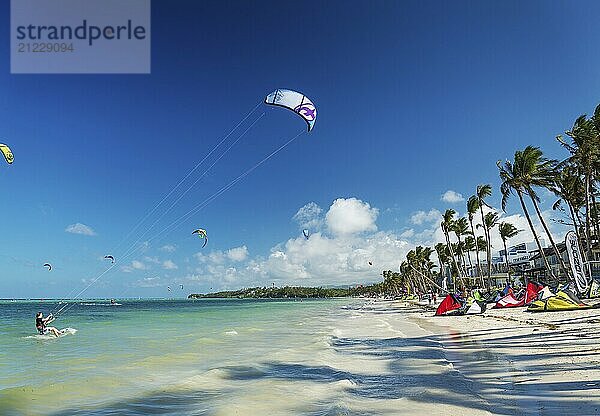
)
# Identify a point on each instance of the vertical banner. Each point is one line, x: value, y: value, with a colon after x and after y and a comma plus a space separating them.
x: 576, y: 262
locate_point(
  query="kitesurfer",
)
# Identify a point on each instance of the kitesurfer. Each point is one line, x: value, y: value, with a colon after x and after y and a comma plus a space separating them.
x: 41, y: 324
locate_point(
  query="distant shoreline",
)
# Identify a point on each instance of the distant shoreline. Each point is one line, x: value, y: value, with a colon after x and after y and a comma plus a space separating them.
x: 286, y: 292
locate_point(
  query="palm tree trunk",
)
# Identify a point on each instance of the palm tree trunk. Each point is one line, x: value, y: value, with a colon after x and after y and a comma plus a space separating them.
x: 535, y: 236
x: 560, y: 259
x: 452, y: 254
x: 588, y: 236
x: 470, y: 261
x: 506, y: 254
x: 461, y: 256
x: 487, y: 245
x: 480, y: 274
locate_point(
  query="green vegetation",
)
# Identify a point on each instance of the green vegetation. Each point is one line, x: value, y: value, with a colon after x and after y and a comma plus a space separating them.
x: 576, y: 183
x: 292, y: 292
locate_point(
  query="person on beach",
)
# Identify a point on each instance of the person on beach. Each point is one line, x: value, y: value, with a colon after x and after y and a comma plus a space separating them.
x: 41, y: 324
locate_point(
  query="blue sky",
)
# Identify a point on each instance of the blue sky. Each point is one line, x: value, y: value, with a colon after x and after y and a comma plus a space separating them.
x: 414, y: 99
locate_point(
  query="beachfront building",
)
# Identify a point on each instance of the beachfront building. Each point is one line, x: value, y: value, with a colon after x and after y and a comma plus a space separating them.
x: 537, y: 271
x: 516, y: 262
x: 520, y: 254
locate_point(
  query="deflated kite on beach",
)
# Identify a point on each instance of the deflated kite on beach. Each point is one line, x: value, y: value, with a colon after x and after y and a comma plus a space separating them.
x: 564, y: 300
x: 512, y: 301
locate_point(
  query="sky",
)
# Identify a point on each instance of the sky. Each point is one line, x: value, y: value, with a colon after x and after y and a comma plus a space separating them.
x: 416, y: 101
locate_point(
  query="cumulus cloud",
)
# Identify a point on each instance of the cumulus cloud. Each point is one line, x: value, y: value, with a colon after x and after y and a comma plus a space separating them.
x: 351, y: 216
x: 340, y: 258
x: 423, y: 217
x: 317, y: 261
x: 309, y: 216
x: 237, y: 253
x: 169, y: 265
x: 452, y: 197
x: 168, y: 248
x: 79, y: 228
x: 338, y: 254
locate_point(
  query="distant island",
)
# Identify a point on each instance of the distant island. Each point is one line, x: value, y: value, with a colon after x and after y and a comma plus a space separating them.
x: 288, y: 292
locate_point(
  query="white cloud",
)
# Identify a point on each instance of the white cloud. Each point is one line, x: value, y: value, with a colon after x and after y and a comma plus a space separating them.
x: 135, y: 265
x: 169, y: 265
x: 452, y: 197
x: 237, y: 253
x: 153, y: 260
x: 350, y: 216
x: 340, y: 254
x: 79, y: 228
x: 408, y: 233
x: 138, y: 265
x: 149, y: 282
x: 422, y: 217
x: 309, y: 216
x: 168, y: 248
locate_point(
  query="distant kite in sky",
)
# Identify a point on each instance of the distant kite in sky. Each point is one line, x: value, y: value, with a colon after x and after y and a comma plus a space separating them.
x: 202, y: 234
x: 295, y: 101
x: 370, y: 263
x: 48, y: 265
x: 111, y: 258
x: 306, y: 234
x: 7, y: 153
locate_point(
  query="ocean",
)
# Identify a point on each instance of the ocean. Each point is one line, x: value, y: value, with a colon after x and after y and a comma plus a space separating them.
x: 219, y: 357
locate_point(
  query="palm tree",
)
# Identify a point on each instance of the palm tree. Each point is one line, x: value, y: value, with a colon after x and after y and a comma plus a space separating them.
x: 482, y: 192
x: 507, y: 230
x: 443, y: 258
x: 568, y: 187
x: 490, y: 220
x: 511, y: 175
x: 472, y: 207
x: 481, y: 244
x: 461, y: 228
x: 585, y: 154
x: 537, y: 171
x: 469, y: 245
x: 447, y: 225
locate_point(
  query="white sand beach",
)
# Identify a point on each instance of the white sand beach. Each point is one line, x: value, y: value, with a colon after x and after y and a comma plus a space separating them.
x: 522, y: 363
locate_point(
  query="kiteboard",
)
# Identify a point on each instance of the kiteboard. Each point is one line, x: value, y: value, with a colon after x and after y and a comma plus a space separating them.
x: 62, y: 333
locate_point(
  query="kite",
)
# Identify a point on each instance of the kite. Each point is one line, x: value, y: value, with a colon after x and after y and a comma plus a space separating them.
x: 48, y: 265
x: 306, y: 234
x: 7, y: 153
x: 202, y: 234
x: 111, y: 258
x: 296, y: 102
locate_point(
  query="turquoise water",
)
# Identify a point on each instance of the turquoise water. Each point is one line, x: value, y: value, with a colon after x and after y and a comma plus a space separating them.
x: 157, y: 357
x: 223, y: 357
